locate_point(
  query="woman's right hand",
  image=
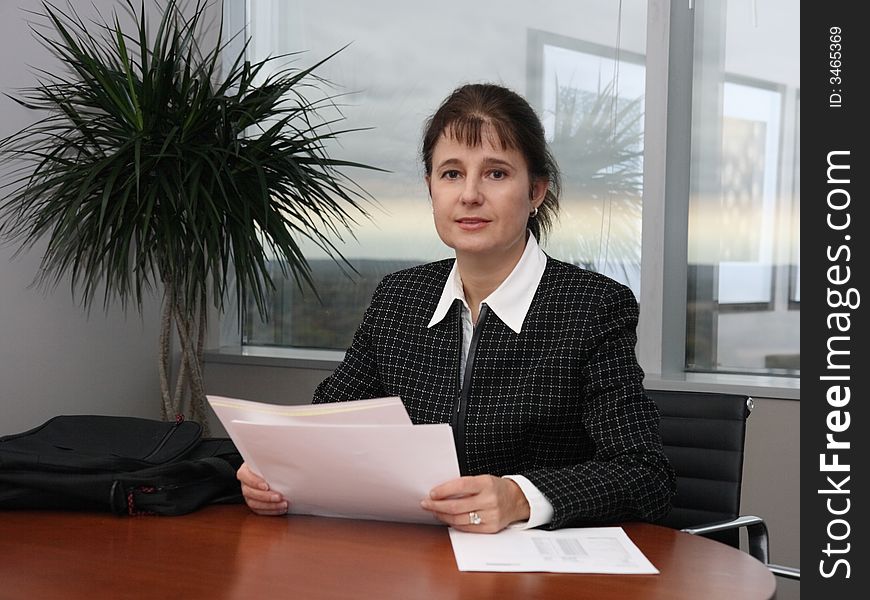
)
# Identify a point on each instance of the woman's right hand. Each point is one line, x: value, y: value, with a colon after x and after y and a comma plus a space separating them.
x: 258, y: 496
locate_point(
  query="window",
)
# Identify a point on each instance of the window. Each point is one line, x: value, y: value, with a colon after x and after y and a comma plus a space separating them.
x: 583, y: 66
x: 590, y: 98
x: 403, y: 59
x: 744, y: 264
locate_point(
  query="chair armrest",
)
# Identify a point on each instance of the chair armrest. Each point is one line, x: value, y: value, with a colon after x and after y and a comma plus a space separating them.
x: 755, y: 527
x: 759, y: 547
x: 787, y: 572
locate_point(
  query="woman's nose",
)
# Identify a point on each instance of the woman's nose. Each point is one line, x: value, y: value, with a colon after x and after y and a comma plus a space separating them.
x: 471, y: 192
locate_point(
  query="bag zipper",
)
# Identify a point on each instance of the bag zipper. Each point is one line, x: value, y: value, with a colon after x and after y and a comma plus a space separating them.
x: 165, y: 439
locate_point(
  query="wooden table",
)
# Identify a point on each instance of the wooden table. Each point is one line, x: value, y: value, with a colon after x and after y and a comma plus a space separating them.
x: 227, y: 552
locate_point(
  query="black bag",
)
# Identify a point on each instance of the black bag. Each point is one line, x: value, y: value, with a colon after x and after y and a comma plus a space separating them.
x: 125, y: 465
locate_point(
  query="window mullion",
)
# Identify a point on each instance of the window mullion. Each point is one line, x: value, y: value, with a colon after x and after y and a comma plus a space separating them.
x: 667, y: 137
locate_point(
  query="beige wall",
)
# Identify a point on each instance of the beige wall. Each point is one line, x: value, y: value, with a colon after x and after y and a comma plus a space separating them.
x: 54, y: 358
x: 771, y: 481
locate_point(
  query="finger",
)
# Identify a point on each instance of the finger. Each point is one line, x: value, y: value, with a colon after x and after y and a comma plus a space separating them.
x: 461, y: 523
x: 461, y: 486
x: 261, y: 496
x: 248, y: 477
x: 269, y: 510
x: 486, y: 498
x: 457, y: 506
x: 450, y: 519
x: 464, y: 519
x: 255, y: 487
x: 482, y: 528
x: 272, y: 502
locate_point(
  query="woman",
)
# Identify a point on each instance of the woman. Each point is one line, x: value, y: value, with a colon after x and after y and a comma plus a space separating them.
x: 531, y: 360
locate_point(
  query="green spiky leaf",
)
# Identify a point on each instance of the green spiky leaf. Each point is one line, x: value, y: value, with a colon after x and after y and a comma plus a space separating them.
x: 151, y: 165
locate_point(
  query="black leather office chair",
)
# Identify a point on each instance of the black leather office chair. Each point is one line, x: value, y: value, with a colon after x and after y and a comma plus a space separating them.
x: 703, y: 435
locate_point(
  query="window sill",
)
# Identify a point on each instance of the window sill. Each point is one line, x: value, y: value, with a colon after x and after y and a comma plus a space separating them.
x: 273, y: 356
x: 759, y: 386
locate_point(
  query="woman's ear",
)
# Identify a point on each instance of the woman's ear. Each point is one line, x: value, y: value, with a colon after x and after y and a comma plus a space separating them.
x: 539, y: 191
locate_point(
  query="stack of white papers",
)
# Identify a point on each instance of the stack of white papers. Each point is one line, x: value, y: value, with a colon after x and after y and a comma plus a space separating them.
x: 586, y: 550
x: 362, y: 459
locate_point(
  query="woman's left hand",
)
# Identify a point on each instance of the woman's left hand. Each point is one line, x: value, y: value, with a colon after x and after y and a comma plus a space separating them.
x: 496, y: 500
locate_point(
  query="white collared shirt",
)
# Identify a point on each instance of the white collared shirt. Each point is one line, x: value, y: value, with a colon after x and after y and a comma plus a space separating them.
x: 511, y: 302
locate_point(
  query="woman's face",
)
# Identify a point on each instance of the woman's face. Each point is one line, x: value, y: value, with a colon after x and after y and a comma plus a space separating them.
x: 482, y: 197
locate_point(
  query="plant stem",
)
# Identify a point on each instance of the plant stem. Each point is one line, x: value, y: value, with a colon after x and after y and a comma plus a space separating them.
x: 191, y: 356
x: 166, y: 410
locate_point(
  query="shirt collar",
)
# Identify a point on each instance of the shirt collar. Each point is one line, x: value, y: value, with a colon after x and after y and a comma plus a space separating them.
x: 511, y: 300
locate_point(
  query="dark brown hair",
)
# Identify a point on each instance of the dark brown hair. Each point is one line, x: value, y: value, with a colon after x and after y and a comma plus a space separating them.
x: 471, y: 108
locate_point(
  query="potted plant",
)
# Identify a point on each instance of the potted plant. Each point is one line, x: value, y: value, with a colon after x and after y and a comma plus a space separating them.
x: 152, y: 169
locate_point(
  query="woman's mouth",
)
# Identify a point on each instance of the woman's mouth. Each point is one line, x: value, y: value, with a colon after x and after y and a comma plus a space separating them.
x: 472, y: 223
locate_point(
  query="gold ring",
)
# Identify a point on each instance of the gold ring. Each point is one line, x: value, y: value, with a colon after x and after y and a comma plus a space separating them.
x: 474, y: 518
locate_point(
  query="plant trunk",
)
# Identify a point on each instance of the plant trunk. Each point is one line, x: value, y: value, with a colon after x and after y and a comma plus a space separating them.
x: 167, y: 408
x: 188, y: 318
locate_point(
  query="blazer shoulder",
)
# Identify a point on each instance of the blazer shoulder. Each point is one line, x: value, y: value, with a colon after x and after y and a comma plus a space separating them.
x: 566, y: 278
x: 422, y: 281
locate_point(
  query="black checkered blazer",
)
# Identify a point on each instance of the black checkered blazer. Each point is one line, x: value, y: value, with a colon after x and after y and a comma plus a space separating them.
x: 561, y: 403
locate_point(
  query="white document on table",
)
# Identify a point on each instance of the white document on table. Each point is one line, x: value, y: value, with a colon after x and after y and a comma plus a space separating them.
x: 362, y: 459
x: 578, y: 550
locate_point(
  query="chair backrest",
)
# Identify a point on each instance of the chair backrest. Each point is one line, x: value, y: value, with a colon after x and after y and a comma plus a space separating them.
x: 703, y: 435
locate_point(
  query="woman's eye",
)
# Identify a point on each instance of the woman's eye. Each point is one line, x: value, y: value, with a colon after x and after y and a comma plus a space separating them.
x: 498, y: 174
x: 451, y: 174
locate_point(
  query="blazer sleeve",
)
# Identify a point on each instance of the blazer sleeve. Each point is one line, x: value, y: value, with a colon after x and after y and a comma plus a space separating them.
x: 628, y: 476
x: 357, y: 377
